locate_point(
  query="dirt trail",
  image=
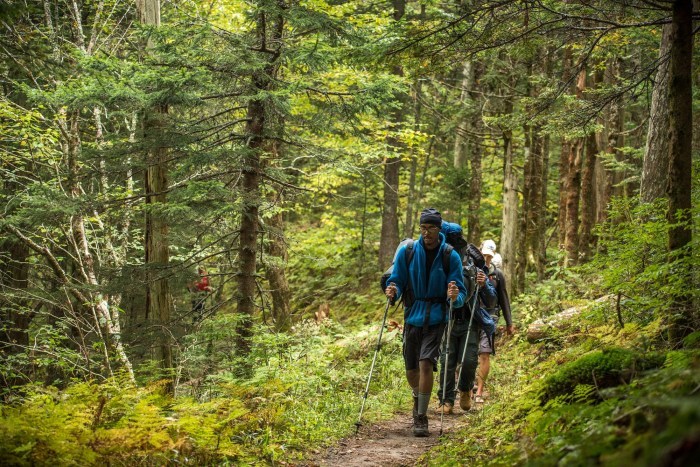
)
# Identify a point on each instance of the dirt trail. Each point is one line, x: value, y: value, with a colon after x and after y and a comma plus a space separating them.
x: 389, y: 443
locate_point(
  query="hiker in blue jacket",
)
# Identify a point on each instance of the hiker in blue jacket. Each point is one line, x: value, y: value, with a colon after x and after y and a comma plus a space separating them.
x: 426, y: 288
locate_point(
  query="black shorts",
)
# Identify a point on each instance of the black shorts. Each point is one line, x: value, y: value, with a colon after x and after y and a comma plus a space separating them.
x: 421, y: 345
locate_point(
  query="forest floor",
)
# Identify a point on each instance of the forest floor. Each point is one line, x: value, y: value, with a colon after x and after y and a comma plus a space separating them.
x: 391, y: 442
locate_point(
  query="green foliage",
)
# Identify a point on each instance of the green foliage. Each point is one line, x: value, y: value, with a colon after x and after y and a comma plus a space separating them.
x: 634, y: 261
x: 305, y: 392
x: 549, y: 297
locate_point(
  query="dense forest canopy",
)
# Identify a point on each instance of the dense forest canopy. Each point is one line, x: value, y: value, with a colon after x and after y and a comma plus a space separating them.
x: 283, y: 148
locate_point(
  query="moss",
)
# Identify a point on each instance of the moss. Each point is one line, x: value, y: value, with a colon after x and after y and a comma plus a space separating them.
x: 607, y: 368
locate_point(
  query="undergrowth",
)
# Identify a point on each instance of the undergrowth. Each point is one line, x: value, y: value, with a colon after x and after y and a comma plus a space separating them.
x: 615, y: 396
x: 305, y: 393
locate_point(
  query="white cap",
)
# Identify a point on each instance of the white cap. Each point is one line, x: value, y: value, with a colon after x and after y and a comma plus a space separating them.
x: 488, y: 248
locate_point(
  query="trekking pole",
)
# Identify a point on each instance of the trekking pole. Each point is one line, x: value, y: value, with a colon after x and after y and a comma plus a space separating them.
x: 444, y: 368
x: 469, y: 330
x: 358, y: 423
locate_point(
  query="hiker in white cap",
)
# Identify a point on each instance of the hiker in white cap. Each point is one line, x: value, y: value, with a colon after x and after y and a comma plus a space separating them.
x: 486, y: 345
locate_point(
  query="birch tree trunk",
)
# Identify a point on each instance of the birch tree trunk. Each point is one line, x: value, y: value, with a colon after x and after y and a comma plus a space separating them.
x: 108, y: 328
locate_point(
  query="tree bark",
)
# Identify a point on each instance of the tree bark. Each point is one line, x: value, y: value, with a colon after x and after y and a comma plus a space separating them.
x: 509, y: 225
x: 411, y: 202
x: 390, y: 213
x: 157, y: 256
x: 268, y: 33
x: 607, y: 179
x: 461, y: 146
x: 679, y: 181
x: 655, y: 163
x: 564, y: 155
x: 588, y: 199
x: 588, y: 192
x: 573, y: 188
x: 475, y: 155
x: 275, y: 274
x: 535, y: 211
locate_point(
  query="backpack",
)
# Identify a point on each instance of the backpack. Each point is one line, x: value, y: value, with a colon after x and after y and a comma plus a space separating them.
x: 475, y: 259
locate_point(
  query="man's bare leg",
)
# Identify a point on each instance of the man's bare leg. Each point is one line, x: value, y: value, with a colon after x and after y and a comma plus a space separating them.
x: 482, y: 373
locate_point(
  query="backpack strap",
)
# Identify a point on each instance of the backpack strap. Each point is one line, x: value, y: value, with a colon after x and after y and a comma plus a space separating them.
x: 408, y: 298
x: 446, y: 253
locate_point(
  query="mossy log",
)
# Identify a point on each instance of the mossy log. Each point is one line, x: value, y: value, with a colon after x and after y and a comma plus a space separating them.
x: 602, y: 369
x: 563, y: 320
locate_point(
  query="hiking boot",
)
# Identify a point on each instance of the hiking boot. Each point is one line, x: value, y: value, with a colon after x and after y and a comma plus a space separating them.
x: 447, y: 407
x: 420, y: 426
x: 465, y: 400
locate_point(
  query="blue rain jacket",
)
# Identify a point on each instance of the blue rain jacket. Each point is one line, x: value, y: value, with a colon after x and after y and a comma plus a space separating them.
x: 436, y: 286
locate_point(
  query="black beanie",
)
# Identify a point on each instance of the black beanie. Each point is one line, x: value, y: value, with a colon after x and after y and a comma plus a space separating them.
x: 431, y: 216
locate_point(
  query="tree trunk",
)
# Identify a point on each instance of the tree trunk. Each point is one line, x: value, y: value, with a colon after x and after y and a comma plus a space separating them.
x: 535, y: 211
x: 461, y: 145
x: 608, y: 179
x: 509, y: 225
x: 588, y: 201
x: 157, y: 256
x: 390, y: 213
x: 108, y: 330
x: 275, y: 274
x: 543, y: 238
x: 410, y: 204
x: 655, y: 165
x: 588, y: 196
x: 475, y: 155
x: 256, y: 128
x: 573, y: 188
x: 679, y: 180
x: 521, y: 254
x: 566, y: 148
x: 276, y: 263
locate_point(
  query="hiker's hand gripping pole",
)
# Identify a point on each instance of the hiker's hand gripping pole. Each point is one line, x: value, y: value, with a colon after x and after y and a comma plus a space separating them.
x: 358, y: 423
